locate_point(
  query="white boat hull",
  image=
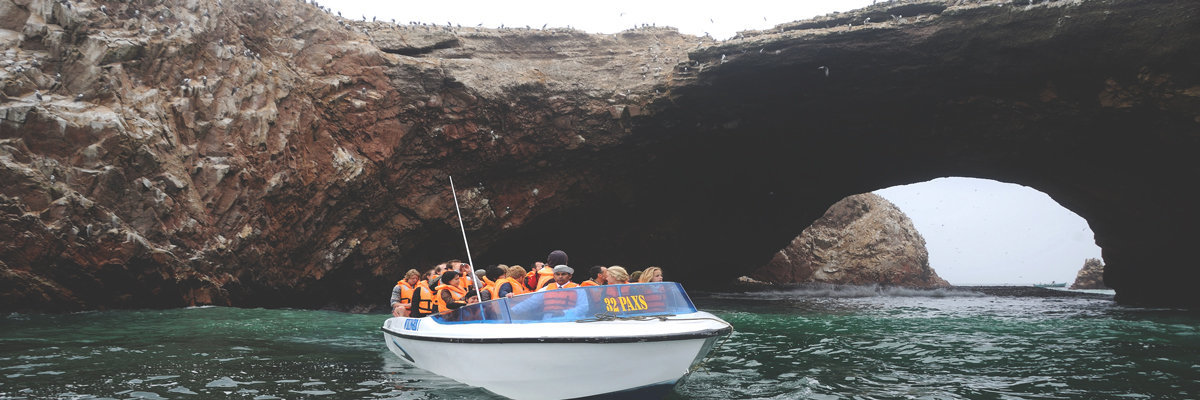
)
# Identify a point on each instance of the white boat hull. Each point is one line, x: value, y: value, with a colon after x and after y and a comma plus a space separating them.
x: 559, y: 360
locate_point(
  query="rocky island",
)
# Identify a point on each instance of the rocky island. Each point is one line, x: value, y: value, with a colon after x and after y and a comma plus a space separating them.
x: 1091, y: 276
x: 861, y: 240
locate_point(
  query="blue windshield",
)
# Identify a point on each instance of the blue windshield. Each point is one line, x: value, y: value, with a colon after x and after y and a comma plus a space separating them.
x: 564, y: 305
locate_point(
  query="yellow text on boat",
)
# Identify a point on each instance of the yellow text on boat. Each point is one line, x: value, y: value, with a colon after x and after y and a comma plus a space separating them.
x: 626, y: 303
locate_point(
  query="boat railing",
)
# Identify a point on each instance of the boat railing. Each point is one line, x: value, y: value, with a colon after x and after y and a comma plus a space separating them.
x: 565, y: 305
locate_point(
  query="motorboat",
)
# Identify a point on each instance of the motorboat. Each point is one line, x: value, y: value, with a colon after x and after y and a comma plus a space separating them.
x: 1052, y: 284
x: 608, y: 341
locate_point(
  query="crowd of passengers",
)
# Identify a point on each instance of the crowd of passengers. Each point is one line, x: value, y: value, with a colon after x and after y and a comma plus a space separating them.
x: 451, y: 285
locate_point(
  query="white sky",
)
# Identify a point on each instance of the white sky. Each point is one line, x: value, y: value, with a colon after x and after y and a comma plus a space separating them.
x: 609, y: 16
x: 977, y: 231
x: 983, y: 231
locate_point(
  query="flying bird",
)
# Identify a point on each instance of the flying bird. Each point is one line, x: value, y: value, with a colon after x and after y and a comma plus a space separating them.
x: 824, y: 68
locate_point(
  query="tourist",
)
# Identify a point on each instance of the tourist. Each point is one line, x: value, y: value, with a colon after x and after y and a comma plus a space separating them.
x: 485, y: 285
x: 654, y: 296
x: 493, y: 277
x: 465, y: 276
x: 511, y: 285
x: 545, y: 274
x: 635, y: 276
x: 598, y: 276
x: 449, y: 296
x: 556, y: 303
x: 562, y: 279
x: 651, y: 274
x: 617, y: 275
x: 422, y: 298
x: 557, y: 257
x: 531, y: 278
x: 403, y: 292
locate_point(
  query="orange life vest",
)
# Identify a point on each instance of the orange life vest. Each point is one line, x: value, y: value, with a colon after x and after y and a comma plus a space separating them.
x: 545, y: 275
x: 455, y: 292
x: 530, y: 280
x: 517, y: 287
x: 554, y: 285
x: 490, y: 287
x: 655, y: 300
x: 558, y: 300
x: 425, y: 305
x: 589, y: 282
x: 464, y: 282
x: 405, y: 292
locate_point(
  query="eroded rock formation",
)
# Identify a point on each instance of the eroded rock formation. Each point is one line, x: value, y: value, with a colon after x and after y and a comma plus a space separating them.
x: 861, y: 240
x: 265, y: 152
x: 1091, y: 276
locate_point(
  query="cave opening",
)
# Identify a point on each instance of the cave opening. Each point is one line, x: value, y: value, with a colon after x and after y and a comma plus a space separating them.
x: 986, y: 232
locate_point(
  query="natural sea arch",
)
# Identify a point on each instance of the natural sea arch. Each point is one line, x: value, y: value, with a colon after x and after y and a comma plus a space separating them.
x: 1069, y: 102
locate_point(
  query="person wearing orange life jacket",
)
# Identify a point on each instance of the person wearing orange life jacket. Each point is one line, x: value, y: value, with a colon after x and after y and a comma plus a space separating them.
x: 562, y: 279
x: 403, y: 292
x: 422, y: 298
x: 557, y: 302
x: 487, y: 287
x: 598, y: 274
x: 510, y: 285
x: 449, y: 296
x: 656, y: 300
x: 533, y: 277
x: 492, y: 286
x: 463, y: 270
x: 615, y: 275
x: 546, y: 274
x: 544, y: 277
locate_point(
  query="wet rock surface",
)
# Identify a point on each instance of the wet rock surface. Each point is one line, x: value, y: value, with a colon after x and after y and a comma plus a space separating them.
x: 862, y: 239
x: 267, y: 153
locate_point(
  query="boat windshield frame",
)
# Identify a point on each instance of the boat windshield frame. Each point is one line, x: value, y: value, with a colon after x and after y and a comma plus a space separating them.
x: 604, y: 301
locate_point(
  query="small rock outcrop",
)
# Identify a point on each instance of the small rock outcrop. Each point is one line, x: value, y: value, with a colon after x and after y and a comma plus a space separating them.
x: 1091, y: 276
x: 863, y: 239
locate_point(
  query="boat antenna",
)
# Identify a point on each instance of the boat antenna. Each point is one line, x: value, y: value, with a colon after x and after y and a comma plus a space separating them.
x: 470, y: 262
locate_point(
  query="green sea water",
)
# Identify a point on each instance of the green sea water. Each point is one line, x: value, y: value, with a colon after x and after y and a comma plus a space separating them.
x: 787, y: 345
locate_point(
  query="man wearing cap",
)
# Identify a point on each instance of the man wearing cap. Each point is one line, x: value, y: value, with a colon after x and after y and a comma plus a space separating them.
x: 561, y: 302
x: 562, y: 279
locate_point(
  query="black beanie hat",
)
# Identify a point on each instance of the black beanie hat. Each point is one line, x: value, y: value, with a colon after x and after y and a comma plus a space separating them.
x: 557, y: 257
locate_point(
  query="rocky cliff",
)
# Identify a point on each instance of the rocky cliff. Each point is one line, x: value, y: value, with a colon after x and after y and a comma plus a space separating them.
x: 267, y: 153
x: 861, y: 240
x: 1091, y: 276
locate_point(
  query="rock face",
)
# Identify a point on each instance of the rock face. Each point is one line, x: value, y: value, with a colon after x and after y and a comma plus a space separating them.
x: 862, y: 239
x: 1091, y: 276
x: 267, y: 153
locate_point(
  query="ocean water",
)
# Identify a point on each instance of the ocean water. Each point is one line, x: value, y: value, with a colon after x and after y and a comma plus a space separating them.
x: 798, y: 344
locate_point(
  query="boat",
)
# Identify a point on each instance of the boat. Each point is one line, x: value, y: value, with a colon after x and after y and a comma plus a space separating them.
x: 628, y: 340
x: 1051, y: 284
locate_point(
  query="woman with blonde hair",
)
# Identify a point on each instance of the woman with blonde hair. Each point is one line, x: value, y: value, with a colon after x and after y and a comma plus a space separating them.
x: 617, y: 275
x: 656, y: 300
x: 510, y: 285
x: 651, y: 274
